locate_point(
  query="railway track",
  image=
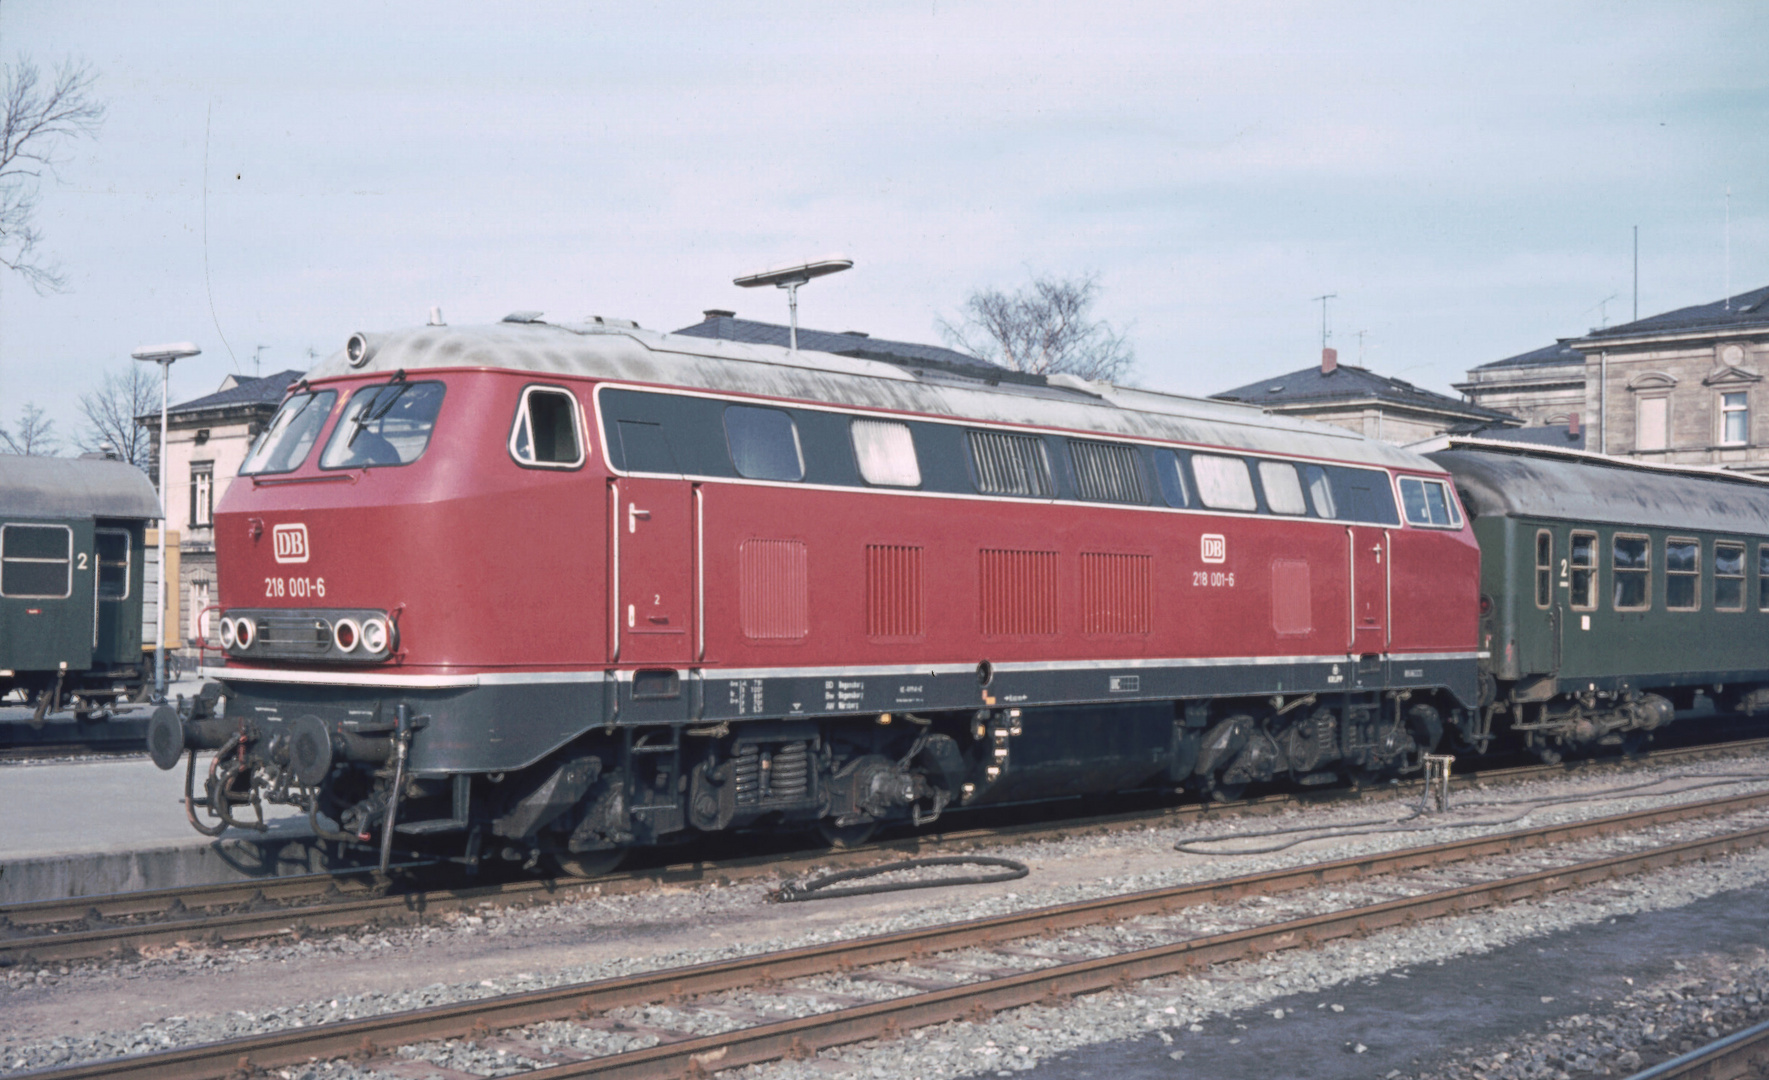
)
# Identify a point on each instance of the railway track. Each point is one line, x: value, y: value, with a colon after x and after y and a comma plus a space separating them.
x: 116, y: 925
x: 882, y: 986
x: 1741, y: 1054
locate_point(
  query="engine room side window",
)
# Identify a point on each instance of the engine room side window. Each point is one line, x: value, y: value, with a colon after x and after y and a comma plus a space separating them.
x: 1283, y: 488
x: 1106, y: 472
x: 764, y: 443
x: 547, y: 431
x: 1011, y: 464
x: 385, y: 424
x: 1631, y: 567
x: 1682, y: 574
x: 1171, y: 474
x: 1544, y: 568
x: 1320, y: 491
x: 36, y: 561
x: 1584, y: 571
x: 1224, y: 482
x: 1428, y: 503
x: 291, y: 434
x: 885, y: 452
x: 1363, y: 495
x: 1728, y: 576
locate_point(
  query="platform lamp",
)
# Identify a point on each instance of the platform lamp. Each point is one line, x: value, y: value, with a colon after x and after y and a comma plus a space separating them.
x: 790, y: 278
x: 163, y: 355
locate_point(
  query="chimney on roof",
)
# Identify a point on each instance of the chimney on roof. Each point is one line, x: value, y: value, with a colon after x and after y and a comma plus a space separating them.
x: 1329, y: 361
x: 1572, y: 426
x: 718, y: 313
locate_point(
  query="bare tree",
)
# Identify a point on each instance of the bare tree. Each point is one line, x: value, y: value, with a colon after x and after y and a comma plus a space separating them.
x: 1043, y: 329
x: 111, y: 409
x: 35, y: 434
x: 36, y: 119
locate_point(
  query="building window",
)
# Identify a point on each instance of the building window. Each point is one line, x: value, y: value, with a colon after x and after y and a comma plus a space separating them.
x: 1682, y: 574
x: 1544, y: 568
x: 1651, y: 419
x: 202, y: 493
x: 1584, y: 571
x: 1631, y: 567
x: 1728, y: 576
x: 1735, y: 418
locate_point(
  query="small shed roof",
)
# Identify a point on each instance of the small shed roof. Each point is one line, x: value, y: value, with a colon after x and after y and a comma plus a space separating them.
x: 1561, y: 352
x: 51, y: 487
x: 1348, y: 383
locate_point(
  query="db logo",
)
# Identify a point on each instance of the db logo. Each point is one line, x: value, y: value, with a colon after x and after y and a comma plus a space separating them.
x: 1212, y: 548
x: 291, y: 543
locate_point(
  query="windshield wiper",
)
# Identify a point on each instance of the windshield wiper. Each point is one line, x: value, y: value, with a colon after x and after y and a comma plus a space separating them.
x: 375, y: 409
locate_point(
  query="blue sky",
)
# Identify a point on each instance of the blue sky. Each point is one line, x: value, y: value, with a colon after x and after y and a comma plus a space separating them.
x: 1465, y: 178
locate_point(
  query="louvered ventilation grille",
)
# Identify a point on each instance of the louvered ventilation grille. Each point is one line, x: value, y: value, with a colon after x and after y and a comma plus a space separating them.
x: 1011, y: 464
x: 1106, y: 472
x: 1019, y: 592
x: 1115, y: 592
x: 773, y: 589
x: 893, y: 592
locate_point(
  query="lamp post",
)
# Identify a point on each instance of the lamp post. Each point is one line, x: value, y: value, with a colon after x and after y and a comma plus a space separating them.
x: 790, y: 278
x: 163, y: 355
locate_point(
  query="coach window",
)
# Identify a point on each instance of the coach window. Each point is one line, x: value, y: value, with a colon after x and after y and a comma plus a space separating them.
x: 291, y: 434
x: 1106, y: 472
x: 1544, y: 568
x: 885, y: 451
x: 1010, y: 464
x: 1583, y: 550
x: 385, y: 424
x: 764, y: 443
x: 1283, y: 488
x: 112, y: 555
x: 36, y: 561
x: 1682, y: 574
x: 1763, y: 577
x: 1728, y: 576
x: 1224, y: 482
x: 1631, y: 567
x: 1428, y: 503
x: 546, y: 432
x: 1320, y: 491
x: 1172, y: 476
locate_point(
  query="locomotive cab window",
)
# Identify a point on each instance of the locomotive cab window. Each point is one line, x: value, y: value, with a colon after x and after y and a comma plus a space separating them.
x: 1728, y: 576
x: 1631, y: 567
x: 1283, y: 488
x: 764, y: 443
x: 1171, y: 475
x: 885, y: 451
x: 1224, y: 482
x: 385, y: 424
x: 36, y: 561
x: 1682, y: 574
x: 291, y: 434
x: 112, y: 555
x: 1428, y: 503
x: 1583, y: 551
x: 546, y: 433
x: 1106, y: 472
x: 1544, y: 568
x: 1011, y: 464
x: 1320, y: 491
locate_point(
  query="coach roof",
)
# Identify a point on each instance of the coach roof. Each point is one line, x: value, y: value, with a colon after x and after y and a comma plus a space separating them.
x: 632, y: 355
x: 47, y: 487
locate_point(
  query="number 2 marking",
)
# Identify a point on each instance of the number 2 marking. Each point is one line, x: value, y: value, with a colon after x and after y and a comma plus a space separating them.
x: 82, y: 560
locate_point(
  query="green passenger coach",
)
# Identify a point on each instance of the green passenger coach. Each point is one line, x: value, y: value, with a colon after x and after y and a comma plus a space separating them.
x: 72, y: 580
x: 1613, y: 594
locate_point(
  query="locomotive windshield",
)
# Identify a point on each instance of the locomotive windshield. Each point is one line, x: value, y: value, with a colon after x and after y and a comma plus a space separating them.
x: 386, y: 424
x: 285, y: 443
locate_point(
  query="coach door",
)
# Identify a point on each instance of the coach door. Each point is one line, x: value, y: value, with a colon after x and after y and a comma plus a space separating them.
x: 652, y: 525
x: 1369, y: 597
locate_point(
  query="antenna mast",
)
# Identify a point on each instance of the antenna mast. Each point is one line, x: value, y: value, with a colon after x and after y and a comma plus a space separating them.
x: 1325, y: 334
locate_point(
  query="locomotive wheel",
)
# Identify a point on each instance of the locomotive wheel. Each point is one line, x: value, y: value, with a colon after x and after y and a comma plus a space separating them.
x: 846, y: 836
x: 1227, y: 792
x: 584, y: 864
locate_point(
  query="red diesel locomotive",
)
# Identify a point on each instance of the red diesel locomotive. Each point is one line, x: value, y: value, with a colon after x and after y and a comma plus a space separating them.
x: 547, y: 592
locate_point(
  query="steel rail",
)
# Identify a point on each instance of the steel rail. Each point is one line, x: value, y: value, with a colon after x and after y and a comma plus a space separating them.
x: 1740, y: 1054
x: 368, y: 1036
x: 74, y: 928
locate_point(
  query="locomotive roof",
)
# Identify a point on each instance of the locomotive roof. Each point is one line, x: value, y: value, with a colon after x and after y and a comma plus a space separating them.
x: 629, y: 354
x: 49, y: 487
x: 1507, y: 479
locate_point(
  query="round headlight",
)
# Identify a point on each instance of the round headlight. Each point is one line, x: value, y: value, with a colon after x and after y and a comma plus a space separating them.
x: 346, y: 635
x: 245, y: 631
x: 227, y: 638
x: 374, y: 635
